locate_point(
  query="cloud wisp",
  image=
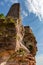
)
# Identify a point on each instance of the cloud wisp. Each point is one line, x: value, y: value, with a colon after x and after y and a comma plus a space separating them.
x: 36, y: 7
x: 24, y: 14
x: 39, y: 60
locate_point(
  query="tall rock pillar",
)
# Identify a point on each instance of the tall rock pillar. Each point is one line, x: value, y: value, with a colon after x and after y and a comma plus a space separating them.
x: 14, y: 11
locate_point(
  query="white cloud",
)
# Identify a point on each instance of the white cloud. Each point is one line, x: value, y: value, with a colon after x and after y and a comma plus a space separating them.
x: 36, y: 7
x: 39, y: 60
x: 23, y: 14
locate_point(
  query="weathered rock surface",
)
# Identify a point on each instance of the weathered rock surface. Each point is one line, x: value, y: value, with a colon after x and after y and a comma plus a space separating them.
x: 20, y: 57
x: 14, y: 11
x: 14, y: 37
x: 29, y: 40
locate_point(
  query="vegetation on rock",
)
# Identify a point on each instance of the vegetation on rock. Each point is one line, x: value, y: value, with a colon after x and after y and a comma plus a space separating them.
x: 2, y: 16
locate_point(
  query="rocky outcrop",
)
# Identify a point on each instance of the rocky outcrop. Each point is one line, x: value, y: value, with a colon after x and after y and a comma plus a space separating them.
x: 11, y: 34
x: 29, y: 40
x: 20, y: 57
x: 14, y: 11
x: 17, y: 42
x: 7, y: 34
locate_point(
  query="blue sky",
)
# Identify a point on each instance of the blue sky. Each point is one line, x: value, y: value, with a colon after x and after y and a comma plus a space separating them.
x: 32, y: 15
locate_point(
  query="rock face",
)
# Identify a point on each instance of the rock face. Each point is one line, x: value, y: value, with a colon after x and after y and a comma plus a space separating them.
x: 20, y: 57
x: 14, y: 11
x: 30, y: 40
x: 17, y: 42
x: 7, y: 31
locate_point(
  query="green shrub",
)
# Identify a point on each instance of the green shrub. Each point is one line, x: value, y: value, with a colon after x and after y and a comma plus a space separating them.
x: 2, y: 16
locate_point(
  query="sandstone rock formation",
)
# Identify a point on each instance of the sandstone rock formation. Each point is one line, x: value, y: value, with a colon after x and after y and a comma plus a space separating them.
x: 14, y: 11
x: 29, y: 40
x: 17, y: 42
